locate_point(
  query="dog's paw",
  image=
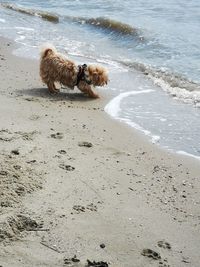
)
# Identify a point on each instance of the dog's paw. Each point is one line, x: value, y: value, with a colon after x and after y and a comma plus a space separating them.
x: 95, y: 96
x: 56, y: 91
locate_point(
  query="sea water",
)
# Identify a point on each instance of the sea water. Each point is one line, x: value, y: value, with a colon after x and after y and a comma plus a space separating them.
x: 151, y: 49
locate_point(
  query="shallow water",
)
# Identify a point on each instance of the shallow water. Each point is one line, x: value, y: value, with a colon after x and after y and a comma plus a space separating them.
x: 150, y: 49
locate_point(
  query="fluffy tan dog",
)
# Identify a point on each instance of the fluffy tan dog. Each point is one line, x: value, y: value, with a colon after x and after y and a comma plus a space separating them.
x: 54, y: 67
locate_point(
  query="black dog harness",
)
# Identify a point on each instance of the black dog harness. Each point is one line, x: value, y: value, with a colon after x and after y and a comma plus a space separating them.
x: 81, y: 74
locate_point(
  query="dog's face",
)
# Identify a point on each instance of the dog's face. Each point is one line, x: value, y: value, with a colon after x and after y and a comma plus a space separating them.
x: 96, y: 75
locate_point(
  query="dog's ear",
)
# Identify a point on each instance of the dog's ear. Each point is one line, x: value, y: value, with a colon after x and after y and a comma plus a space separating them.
x: 95, y: 78
x: 99, y: 79
x: 103, y: 78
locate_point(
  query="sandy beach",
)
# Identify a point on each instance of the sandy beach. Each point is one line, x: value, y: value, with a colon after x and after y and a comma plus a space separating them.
x: 80, y: 189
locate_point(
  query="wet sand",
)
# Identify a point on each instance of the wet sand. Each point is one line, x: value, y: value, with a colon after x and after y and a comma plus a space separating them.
x: 80, y: 189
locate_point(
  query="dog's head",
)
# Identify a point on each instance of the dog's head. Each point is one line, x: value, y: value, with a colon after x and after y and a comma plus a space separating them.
x: 96, y: 75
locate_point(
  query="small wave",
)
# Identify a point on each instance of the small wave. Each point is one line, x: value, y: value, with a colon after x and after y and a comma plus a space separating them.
x: 180, y: 152
x: 112, y: 25
x: 113, y: 109
x: 20, y: 38
x: 24, y: 28
x: 175, y: 84
x: 42, y: 14
x: 2, y: 20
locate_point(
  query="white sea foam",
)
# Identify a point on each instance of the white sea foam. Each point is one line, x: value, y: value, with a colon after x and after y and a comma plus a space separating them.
x: 154, y: 138
x: 20, y: 38
x: 187, y: 154
x: 187, y: 96
x: 3, y: 20
x: 113, y: 109
x: 113, y: 64
x: 110, y: 64
x: 177, y: 85
x: 24, y: 28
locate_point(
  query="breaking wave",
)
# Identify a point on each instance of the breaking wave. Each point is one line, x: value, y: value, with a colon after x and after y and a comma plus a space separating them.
x: 110, y: 25
x: 175, y: 84
x: 113, y: 108
x: 100, y: 22
x: 42, y: 14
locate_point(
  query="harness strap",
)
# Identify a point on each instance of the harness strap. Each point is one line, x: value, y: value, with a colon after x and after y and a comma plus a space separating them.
x: 81, y: 73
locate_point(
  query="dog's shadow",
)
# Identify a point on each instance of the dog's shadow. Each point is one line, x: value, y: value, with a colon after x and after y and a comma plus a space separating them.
x: 63, y: 95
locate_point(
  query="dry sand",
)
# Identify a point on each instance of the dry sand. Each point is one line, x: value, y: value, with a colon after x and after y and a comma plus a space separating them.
x: 75, y: 182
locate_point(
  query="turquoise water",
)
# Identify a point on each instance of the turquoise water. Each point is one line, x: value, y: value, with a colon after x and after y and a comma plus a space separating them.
x: 146, y: 45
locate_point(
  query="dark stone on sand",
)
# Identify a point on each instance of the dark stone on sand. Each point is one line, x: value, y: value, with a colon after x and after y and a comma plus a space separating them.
x: 85, y: 144
x: 151, y: 254
x: 102, y: 245
x: 97, y: 264
x: 15, y: 151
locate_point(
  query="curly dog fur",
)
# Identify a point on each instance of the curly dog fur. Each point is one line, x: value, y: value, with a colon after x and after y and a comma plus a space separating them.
x: 54, y: 67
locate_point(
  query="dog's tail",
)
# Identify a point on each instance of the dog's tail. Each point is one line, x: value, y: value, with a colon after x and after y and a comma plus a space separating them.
x: 45, y: 49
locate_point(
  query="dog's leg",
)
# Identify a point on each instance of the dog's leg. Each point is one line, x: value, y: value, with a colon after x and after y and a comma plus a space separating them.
x: 87, y: 89
x: 52, y: 88
x: 55, y: 89
x: 91, y: 93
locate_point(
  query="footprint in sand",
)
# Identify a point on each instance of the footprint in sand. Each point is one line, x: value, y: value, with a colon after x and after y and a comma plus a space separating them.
x: 74, y: 261
x: 85, y: 144
x: 91, y: 207
x: 164, y: 244
x: 71, y: 260
x: 7, y: 136
x: 66, y: 167
x: 57, y: 135
x: 80, y: 208
x: 34, y: 117
x: 62, y: 152
x: 96, y: 264
x: 151, y: 254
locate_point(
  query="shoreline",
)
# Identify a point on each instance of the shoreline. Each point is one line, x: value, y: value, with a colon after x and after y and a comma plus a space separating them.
x: 146, y: 135
x: 122, y: 191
